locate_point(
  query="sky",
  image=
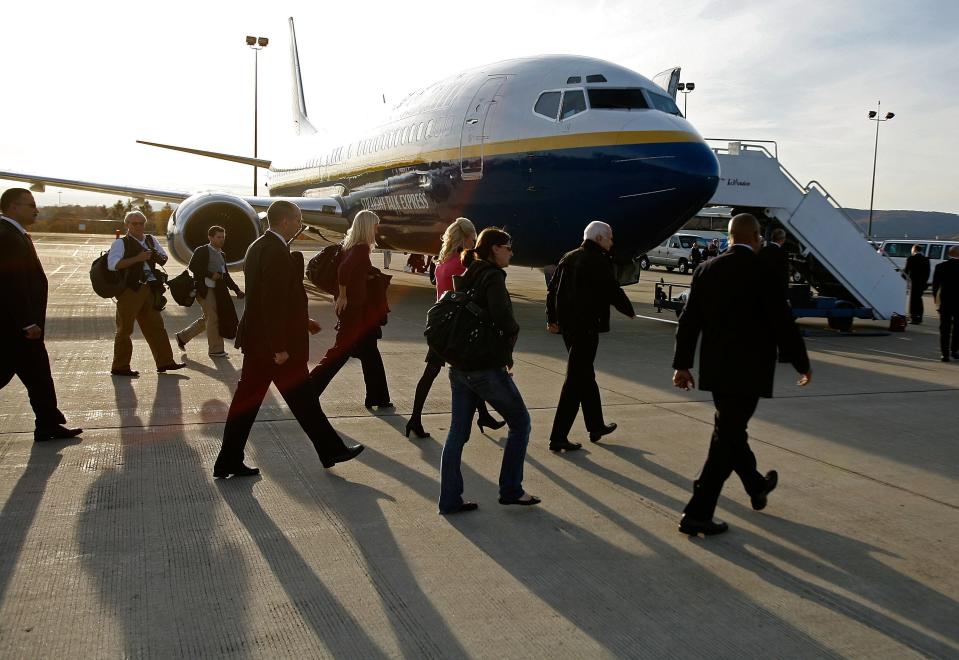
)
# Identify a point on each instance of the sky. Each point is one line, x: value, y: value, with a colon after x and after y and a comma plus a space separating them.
x: 83, y: 81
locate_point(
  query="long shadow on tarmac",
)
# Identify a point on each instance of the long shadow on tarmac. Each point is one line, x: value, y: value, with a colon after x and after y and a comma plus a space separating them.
x: 356, y: 511
x: 316, y: 606
x: 145, y: 535
x: 20, y: 509
x: 845, y: 563
x: 629, y: 608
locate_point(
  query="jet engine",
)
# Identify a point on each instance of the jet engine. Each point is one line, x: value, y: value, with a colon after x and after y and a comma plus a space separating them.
x: 189, y: 224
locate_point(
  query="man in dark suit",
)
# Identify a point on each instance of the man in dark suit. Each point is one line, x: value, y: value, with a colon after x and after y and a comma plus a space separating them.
x: 274, y: 337
x: 23, y: 299
x: 917, y: 270
x: 577, y: 305
x: 776, y: 260
x: 945, y: 290
x: 743, y: 319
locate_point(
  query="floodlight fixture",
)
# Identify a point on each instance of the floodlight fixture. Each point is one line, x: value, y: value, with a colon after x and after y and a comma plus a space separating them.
x: 250, y: 41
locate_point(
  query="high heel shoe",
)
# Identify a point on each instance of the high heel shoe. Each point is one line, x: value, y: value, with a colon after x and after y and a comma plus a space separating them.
x: 417, y: 429
x: 490, y: 422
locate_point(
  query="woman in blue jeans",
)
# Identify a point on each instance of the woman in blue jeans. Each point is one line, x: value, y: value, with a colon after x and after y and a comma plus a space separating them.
x: 491, y: 382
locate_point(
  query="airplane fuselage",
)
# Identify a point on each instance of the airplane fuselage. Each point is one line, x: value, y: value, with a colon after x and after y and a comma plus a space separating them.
x: 531, y: 145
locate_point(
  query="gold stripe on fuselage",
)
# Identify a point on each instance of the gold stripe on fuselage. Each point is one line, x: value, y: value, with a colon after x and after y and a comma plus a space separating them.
x: 316, y: 175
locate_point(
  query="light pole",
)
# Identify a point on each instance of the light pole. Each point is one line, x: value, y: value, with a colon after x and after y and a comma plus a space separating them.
x: 257, y: 44
x: 685, y: 88
x: 874, y: 116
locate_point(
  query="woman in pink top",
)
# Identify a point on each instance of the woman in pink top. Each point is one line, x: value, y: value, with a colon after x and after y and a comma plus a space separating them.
x: 459, y: 236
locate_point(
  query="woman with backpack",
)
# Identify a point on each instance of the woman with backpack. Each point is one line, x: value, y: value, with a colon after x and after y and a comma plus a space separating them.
x: 487, y: 380
x: 459, y: 236
x: 360, y: 305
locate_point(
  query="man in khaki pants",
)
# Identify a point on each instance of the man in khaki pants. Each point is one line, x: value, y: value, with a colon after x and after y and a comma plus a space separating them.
x: 211, y: 278
x: 137, y: 254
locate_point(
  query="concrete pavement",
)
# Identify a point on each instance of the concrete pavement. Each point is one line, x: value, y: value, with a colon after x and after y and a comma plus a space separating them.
x: 121, y: 544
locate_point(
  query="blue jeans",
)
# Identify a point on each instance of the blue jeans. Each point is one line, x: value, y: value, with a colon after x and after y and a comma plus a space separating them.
x: 496, y: 387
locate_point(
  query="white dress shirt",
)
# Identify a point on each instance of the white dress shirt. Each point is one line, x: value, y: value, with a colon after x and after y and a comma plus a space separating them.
x: 118, y: 248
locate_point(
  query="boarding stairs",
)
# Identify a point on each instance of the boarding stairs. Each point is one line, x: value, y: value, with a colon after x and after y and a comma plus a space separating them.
x: 751, y: 176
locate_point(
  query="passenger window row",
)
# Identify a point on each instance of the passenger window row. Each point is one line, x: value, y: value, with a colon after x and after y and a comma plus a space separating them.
x: 411, y: 133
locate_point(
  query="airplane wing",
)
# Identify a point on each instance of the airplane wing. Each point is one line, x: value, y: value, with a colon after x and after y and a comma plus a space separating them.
x: 39, y: 182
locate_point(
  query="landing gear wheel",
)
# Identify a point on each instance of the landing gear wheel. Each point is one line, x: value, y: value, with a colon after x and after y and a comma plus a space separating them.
x: 644, y: 262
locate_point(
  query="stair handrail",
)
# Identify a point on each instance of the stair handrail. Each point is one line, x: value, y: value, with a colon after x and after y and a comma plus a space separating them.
x: 748, y: 143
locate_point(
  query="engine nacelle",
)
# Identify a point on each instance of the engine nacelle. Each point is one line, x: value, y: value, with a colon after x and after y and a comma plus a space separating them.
x: 189, y: 224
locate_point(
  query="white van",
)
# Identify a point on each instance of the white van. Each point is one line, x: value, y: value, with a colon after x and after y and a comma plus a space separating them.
x: 899, y: 249
x: 673, y: 253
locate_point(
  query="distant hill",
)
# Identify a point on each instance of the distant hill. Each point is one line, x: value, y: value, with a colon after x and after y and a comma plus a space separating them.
x: 911, y: 224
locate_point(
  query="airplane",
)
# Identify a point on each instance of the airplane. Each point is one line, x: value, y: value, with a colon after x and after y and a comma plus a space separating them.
x: 539, y: 146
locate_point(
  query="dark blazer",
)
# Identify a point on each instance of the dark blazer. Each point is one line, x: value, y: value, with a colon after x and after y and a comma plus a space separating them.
x: 776, y: 261
x: 582, y: 289
x: 917, y: 268
x: 275, y: 318
x: 200, y: 268
x: 23, y: 293
x: 945, y: 284
x: 743, y: 319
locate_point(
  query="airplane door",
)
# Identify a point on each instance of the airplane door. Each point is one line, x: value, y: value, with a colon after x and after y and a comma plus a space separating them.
x: 473, y: 137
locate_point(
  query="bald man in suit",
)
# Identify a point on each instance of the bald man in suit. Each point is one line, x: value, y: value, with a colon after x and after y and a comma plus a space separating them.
x: 743, y: 319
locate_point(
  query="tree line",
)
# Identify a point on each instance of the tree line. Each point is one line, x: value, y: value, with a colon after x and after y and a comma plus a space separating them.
x: 100, y: 219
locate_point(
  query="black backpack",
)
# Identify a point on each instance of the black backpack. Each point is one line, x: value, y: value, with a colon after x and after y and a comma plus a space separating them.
x: 106, y: 283
x: 321, y: 270
x: 461, y: 331
x: 183, y: 289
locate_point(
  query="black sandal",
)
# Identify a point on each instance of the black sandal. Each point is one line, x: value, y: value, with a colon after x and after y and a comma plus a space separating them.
x: 530, y: 502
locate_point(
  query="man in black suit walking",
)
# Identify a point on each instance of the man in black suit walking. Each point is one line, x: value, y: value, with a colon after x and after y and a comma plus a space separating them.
x: 945, y: 290
x: 577, y: 305
x: 743, y: 319
x: 917, y: 270
x: 274, y: 337
x: 23, y: 299
x: 774, y: 257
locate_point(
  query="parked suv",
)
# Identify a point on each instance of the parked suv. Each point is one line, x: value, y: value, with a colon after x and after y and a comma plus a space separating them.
x: 673, y: 253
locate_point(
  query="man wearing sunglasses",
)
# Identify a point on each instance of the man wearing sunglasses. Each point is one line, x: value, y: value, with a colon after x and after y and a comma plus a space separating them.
x: 138, y: 254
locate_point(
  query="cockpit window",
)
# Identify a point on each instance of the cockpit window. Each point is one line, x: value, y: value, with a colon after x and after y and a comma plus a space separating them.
x: 574, y: 102
x: 617, y: 99
x: 664, y: 103
x: 596, y: 77
x: 547, y: 104
x: 574, y: 80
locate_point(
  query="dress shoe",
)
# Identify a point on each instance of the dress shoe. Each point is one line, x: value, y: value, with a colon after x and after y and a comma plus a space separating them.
x: 530, y: 502
x: 180, y: 342
x: 462, y: 508
x: 173, y: 366
x: 58, y: 432
x: 125, y: 372
x: 388, y: 404
x: 239, y: 471
x: 347, y: 454
x: 606, y: 429
x: 219, y: 354
x: 759, y: 500
x: 944, y: 358
x: 417, y: 429
x: 490, y: 422
x: 693, y: 527
x: 564, y: 445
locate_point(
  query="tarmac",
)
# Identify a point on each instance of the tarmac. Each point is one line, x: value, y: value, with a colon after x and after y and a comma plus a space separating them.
x: 121, y: 543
